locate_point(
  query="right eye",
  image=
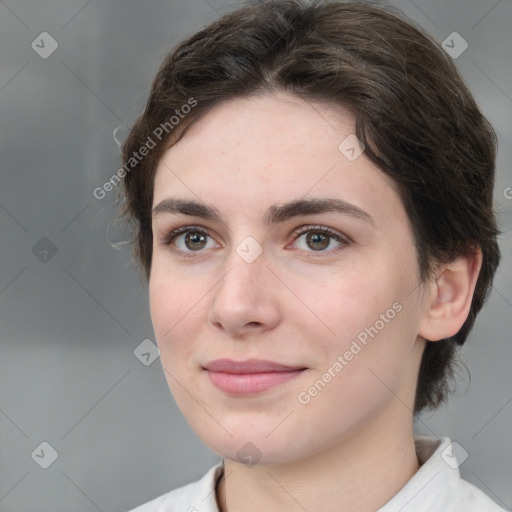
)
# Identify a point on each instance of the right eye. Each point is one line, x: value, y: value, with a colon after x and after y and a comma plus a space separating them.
x: 189, y: 239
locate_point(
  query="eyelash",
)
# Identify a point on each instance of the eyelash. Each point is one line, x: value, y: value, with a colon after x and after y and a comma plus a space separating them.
x: 297, y: 233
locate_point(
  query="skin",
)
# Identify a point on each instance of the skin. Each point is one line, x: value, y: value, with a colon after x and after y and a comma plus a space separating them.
x: 296, y: 306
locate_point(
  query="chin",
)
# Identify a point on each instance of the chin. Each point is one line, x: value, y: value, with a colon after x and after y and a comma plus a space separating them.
x: 254, y: 446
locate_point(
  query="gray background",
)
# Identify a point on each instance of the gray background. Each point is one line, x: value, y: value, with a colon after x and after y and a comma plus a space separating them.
x: 69, y: 325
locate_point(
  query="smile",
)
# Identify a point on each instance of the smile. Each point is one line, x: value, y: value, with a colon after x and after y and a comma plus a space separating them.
x: 249, y: 377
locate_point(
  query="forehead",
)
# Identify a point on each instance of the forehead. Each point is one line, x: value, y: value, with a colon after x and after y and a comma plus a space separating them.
x: 268, y: 149
x: 277, y: 125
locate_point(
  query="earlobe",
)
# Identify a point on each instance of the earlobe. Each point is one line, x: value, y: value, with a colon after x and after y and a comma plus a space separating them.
x: 450, y: 295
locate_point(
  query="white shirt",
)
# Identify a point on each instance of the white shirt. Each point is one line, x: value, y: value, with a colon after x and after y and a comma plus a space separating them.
x: 435, y: 487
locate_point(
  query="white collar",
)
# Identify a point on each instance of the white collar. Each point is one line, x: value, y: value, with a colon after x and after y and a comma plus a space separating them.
x: 435, y: 487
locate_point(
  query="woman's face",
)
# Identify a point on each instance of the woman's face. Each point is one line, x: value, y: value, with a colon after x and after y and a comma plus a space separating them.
x: 294, y: 250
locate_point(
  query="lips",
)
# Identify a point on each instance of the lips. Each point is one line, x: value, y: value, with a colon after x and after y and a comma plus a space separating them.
x: 248, y: 366
x: 250, y: 376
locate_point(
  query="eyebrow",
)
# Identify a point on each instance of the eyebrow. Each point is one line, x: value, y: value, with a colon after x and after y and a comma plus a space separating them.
x: 275, y: 213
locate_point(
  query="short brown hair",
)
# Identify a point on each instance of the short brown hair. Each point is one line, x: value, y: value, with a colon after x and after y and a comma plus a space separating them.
x: 418, y: 122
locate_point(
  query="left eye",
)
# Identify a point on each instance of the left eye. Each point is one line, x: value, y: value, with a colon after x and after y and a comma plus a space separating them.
x: 318, y: 241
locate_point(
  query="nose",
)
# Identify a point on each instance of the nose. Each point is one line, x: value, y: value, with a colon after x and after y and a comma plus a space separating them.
x: 245, y: 300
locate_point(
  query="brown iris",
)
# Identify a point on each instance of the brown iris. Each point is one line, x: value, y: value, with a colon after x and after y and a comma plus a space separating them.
x: 317, y: 241
x: 195, y: 240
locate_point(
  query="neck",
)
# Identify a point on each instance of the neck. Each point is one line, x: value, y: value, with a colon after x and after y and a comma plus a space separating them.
x: 360, y: 473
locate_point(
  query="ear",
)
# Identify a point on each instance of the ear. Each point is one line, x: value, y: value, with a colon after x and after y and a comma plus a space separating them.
x: 449, y: 296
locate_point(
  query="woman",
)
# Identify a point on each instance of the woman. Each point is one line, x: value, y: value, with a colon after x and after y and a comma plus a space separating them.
x: 311, y: 188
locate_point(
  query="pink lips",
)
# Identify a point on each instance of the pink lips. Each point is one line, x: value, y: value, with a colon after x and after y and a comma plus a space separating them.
x: 250, y: 376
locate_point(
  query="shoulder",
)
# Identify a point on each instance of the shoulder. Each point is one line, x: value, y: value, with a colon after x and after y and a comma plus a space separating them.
x: 198, y: 496
x: 473, y: 499
x: 438, y: 486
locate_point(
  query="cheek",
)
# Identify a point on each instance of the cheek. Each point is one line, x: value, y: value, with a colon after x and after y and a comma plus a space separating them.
x: 175, y: 313
x: 376, y: 341
x: 365, y: 313
x: 342, y: 302
x: 175, y: 309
